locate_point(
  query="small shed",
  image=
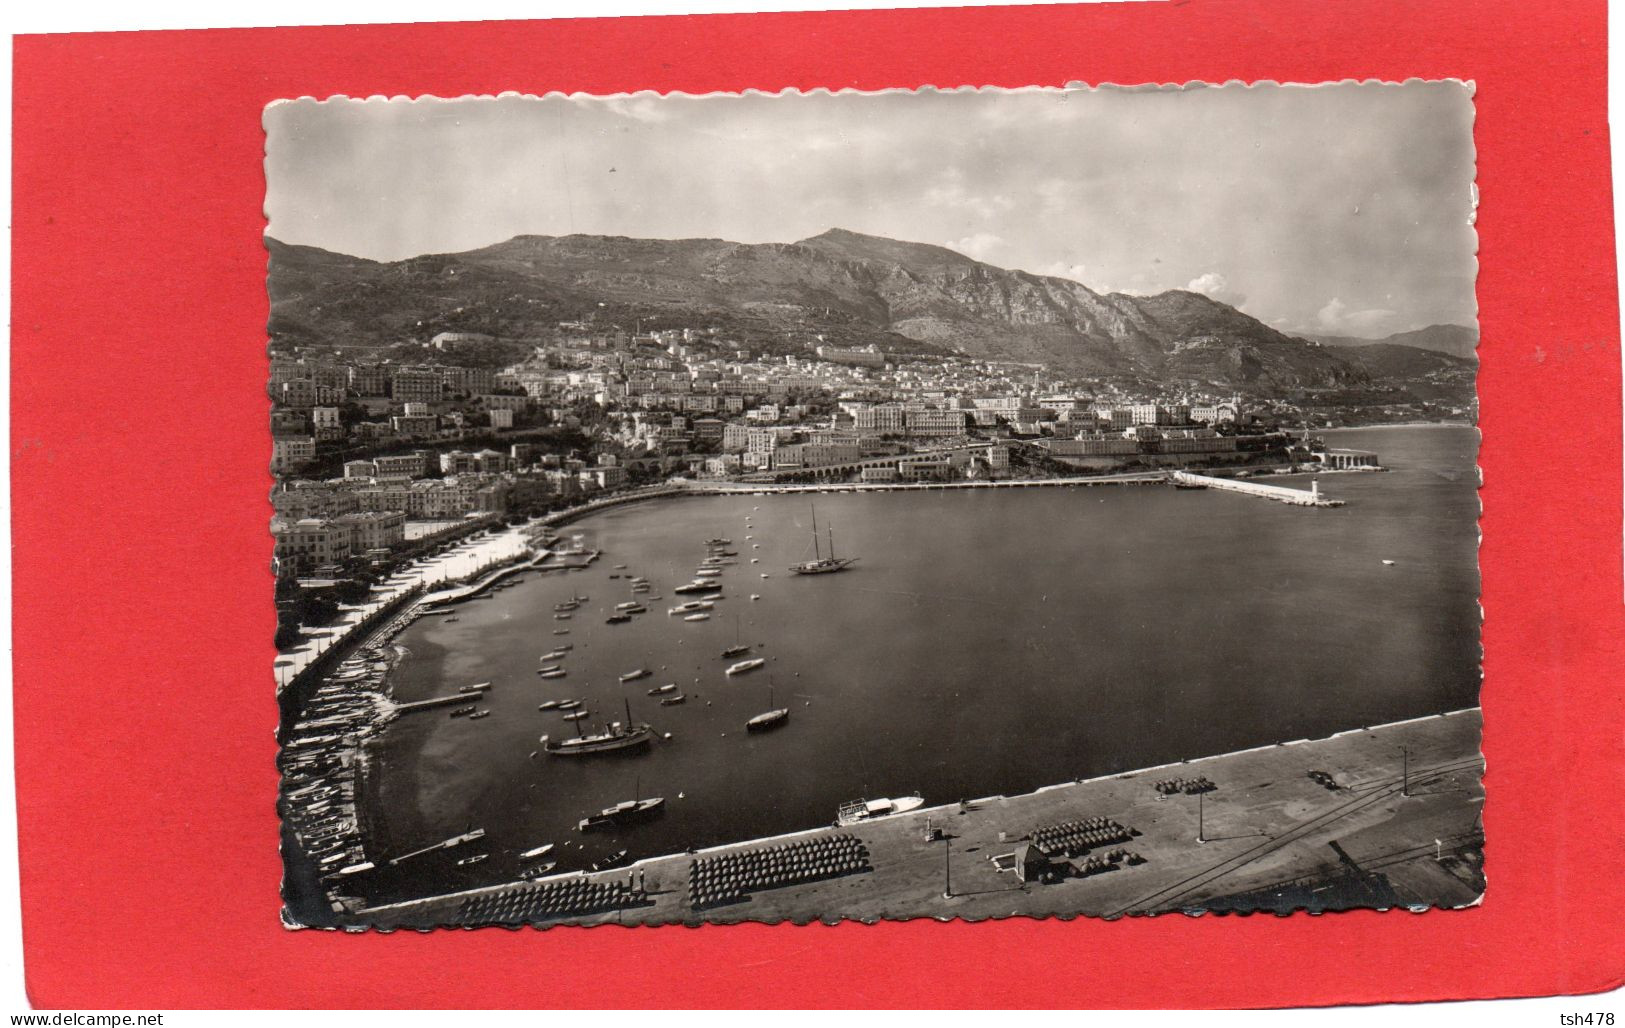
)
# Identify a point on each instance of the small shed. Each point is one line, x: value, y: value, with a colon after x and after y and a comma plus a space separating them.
x: 1032, y: 863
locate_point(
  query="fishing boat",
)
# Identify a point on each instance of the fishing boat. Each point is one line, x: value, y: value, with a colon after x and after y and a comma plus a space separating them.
x: 617, y: 619
x: 575, y: 715
x: 475, y: 859
x: 565, y: 607
x: 555, y: 654
x: 561, y: 631
x: 691, y: 606
x: 745, y: 665
x: 450, y: 620
x: 463, y: 711
x: 708, y: 572
x: 719, y: 542
x: 661, y: 690
x: 549, y: 705
x: 636, y: 608
x: 632, y: 676
x: 536, y: 872
x: 561, y: 617
x: 617, y: 737
x: 672, y: 701
x: 569, y: 704
x: 629, y: 605
x: 540, y: 851
x: 820, y: 564
x: 476, y: 716
x: 550, y: 667
x: 867, y: 810
x: 768, y: 719
x: 557, y: 672
x: 697, y: 617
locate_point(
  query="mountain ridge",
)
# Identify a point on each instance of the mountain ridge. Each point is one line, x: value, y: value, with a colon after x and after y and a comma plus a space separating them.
x: 1455, y: 340
x: 839, y: 287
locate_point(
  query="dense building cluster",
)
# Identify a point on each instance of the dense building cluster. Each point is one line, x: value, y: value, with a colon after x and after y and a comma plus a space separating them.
x: 363, y: 447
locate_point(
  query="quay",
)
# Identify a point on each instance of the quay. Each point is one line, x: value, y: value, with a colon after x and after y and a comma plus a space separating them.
x: 1387, y: 816
x: 1284, y: 494
x: 699, y: 488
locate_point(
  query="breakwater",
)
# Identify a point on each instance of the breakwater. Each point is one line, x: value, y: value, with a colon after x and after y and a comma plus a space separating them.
x: 1310, y: 497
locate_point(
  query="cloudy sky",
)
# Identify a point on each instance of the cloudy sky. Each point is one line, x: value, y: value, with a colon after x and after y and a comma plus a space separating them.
x: 1337, y: 209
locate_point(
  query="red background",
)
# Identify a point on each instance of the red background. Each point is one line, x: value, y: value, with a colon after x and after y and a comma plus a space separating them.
x: 142, y: 612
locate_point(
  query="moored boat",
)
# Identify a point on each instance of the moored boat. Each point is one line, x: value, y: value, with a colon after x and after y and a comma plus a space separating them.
x: 867, y: 810
x: 745, y: 665
x: 698, y: 586
x: 820, y: 564
x: 540, y: 851
x: 632, y: 676
x: 615, y: 859
x: 622, y: 813
x: 536, y: 872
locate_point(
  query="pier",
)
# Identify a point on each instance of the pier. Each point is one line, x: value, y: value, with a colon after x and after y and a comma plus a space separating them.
x: 1386, y: 816
x: 1284, y: 494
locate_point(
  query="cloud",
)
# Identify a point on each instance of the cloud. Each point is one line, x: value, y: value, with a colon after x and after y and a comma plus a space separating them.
x: 1217, y: 287
x: 1061, y: 269
x: 979, y: 246
x: 1336, y: 317
x: 949, y: 191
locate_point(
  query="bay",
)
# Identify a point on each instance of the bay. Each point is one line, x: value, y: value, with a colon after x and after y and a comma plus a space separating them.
x: 986, y: 642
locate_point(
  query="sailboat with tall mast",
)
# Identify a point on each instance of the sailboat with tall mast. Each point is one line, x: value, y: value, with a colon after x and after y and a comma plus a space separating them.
x: 820, y: 564
x: 770, y: 718
x: 738, y: 649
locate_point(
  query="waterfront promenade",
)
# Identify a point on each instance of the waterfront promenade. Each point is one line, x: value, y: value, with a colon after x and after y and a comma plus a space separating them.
x: 1400, y: 822
x: 469, y: 558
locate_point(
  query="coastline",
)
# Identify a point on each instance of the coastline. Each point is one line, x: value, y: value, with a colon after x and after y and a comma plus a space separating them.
x: 605, y: 503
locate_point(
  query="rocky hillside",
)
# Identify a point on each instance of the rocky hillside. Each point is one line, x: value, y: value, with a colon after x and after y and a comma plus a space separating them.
x: 848, y: 288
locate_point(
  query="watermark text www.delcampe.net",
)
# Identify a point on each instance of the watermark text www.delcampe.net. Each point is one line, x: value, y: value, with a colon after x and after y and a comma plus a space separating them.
x: 90, y: 1020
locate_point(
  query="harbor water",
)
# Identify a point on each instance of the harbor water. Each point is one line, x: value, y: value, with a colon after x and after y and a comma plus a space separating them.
x: 986, y: 642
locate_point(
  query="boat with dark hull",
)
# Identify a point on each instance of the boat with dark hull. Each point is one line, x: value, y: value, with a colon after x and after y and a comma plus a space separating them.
x: 627, y: 812
x: 621, y: 737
